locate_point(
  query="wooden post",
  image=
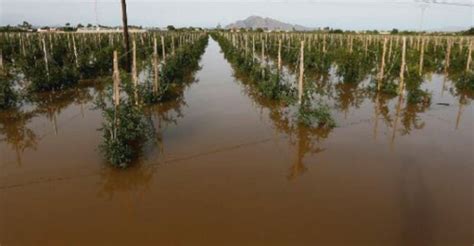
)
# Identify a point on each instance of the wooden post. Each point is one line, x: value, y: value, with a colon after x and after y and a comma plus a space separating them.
x: 75, y: 50
x: 263, y: 50
x: 366, y: 44
x: 50, y: 43
x: 324, y: 44
x: 134, y: 71
x: 422, y: 55
x: 448, y: 55
x: 382, y: 65
x: 469, y: 57
x: 173, y: 52
x: 350, y: 44
x: 300, y: 79
x: 253, y: 47
x: 23, y: 46
x: 163, y: 49
x: 155, y: 67
x: 402, y: 66
x: 45, y: 52
x: 246, y: 44
x: 390, y: 49
x: 279, y: 54
x: 116, y: 79
x: 115, y: 93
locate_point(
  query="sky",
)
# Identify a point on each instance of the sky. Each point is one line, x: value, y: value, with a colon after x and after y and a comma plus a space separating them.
x: 345, y: 14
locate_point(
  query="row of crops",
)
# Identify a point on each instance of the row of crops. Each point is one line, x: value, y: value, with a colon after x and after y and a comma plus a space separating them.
x: 32, y: 65
x: 295, y: 75
x: 288, y: 68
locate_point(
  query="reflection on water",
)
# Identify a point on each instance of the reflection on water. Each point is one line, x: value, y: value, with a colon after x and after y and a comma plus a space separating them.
x: 390, y: 173
x: 15, y: 133
x: 305, y: 140
x: 15, y: 124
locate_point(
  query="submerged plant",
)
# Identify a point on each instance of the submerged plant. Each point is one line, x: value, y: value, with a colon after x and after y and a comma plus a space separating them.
x: 125, y: 129
x: 418, y: 96
x: 173, y: 74
x: 315, y: 115
x: 266, y: 79
x: 149, y: 96
x: 465, y: 81
x: 274, y: 88
x: 387, y: 87
x: 8, y: 97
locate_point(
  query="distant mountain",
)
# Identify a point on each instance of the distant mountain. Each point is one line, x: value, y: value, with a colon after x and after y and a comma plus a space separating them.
x: 265, y: 23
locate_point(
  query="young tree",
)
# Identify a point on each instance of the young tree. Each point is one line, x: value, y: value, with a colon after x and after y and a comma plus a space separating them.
x: 26, y: 25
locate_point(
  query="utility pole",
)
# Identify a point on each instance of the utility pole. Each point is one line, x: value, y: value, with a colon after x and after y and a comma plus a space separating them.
x: 423, y: 7
x: 126, y: 38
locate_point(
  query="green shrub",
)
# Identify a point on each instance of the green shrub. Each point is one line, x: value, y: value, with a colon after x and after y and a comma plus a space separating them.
x: 8, y: 97
x: 124, y: 130
x: 465, y: 81
x: 418, y: 96
x: 319, y: 115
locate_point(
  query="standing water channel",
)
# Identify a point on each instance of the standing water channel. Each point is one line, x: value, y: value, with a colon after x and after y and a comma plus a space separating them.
x: 229, y: 170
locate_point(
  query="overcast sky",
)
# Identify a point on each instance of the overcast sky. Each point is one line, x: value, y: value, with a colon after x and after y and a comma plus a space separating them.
x: 346, y: 14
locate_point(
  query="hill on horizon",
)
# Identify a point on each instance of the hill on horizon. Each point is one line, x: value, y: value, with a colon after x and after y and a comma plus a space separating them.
x: 254, y: 22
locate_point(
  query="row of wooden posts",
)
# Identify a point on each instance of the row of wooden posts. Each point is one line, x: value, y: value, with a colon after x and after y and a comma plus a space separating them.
x: 134, y: 73
x: 25, y: 39
x: 420, y: 45
x: 418, y: 42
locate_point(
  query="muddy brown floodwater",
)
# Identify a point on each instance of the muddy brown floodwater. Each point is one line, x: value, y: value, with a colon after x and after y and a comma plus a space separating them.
x: 228, y: 170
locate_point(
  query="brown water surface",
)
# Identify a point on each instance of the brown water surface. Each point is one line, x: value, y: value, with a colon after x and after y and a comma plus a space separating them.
x: 230, y: 169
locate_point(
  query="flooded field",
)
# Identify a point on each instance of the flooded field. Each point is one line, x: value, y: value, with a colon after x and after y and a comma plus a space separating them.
x: 227, y: 168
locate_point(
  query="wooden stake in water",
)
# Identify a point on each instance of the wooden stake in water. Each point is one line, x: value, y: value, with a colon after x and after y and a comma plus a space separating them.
x: 173, y: 51
x: 382, y: 65
x: 402, y: 66
x: 116, y: 93
x: 45, y: 52
x: 75, y: 50
x: 350, y: 44
x: 163, y: 49
x: 116, y: 79
x: 324, y: 44
x: 300, y: 79
x: 134, y: 71
x: 279, y: 55
x: 253, y: 47
x: 246, y: 44
x: 155, y: 67
x: 422, y: 55
x: 448, y: 56
x: 469, y: 57
x: 390, y: 49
